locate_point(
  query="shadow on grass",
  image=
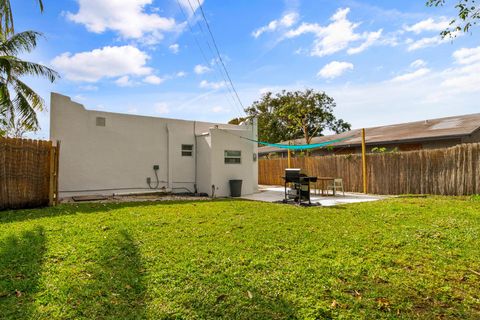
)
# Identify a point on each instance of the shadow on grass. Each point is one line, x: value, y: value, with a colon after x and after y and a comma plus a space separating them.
x: 115, y: 289
x: 21, y: 259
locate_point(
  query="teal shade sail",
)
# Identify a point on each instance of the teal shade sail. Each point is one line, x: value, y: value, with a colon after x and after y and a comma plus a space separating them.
x: 300, y: 147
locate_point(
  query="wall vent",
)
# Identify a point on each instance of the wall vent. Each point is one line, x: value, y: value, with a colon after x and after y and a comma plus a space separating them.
x: 101, y: 122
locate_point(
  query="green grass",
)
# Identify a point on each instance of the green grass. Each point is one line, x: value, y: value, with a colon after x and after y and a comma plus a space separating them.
x: 401, y: 258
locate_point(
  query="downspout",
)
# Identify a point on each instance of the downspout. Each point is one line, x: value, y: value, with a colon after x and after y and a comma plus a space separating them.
x: 255, y: 151
x: 196, y: 153
x: 168, y: 157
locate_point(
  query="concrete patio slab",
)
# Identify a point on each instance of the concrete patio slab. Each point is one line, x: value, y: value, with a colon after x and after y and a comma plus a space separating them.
x: 276, y: 194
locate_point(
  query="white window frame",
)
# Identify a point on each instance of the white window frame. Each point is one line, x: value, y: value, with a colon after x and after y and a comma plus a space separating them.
x: 237, y: 157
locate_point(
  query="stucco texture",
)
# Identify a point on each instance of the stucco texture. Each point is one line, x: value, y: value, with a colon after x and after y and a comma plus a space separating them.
x: 118, y: 157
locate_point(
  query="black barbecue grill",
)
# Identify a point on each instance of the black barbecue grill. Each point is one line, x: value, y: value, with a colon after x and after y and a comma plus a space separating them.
x: 299, y: 186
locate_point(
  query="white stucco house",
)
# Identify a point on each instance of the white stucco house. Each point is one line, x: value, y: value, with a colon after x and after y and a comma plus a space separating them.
x: 110, y: 153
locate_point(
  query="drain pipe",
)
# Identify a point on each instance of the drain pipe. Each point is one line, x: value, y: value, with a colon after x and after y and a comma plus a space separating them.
x: 196, y: 153
x: 168, y: 157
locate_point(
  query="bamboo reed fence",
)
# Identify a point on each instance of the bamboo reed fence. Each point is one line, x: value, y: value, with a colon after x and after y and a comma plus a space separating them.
x: 28, y: 173
x: 449, y: 171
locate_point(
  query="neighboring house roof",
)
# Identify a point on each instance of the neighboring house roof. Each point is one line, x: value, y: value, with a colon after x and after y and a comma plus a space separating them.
x: 425, y: 130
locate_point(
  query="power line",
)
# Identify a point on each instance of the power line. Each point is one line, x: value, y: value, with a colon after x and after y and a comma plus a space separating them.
x: 203, y: 53
x: 218, y: 53
x: 240, y: 107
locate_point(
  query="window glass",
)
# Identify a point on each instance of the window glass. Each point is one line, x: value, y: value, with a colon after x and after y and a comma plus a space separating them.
x: 187, y: 150
x: 233, y: 156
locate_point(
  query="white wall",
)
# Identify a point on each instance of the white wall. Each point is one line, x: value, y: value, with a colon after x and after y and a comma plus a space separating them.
x: 204, y: 165
x: 247, y: 170
x: 119, y: 157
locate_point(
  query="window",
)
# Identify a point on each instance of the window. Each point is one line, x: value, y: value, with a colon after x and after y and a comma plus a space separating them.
x: 100, y: 121
x: 187, y: 150
x: 233, y: 157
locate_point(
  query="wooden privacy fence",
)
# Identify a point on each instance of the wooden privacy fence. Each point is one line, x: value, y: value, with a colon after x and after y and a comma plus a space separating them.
x: 452, y: 171
x: 28, y: 173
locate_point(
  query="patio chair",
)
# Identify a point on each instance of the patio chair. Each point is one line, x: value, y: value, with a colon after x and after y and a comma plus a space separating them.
x: 336, y: 185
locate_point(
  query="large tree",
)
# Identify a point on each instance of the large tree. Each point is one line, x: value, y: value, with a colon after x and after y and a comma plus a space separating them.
x: 468, y: 16
x: 291, y: 115
x: 18, y: 102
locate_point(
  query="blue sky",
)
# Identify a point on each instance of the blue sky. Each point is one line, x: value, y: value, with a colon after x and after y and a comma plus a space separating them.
x: 382, y: 61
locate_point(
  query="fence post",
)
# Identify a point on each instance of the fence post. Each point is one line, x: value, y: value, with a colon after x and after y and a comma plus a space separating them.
x: 364, y: 163
x: 51, y: 189
x: 57, y: 166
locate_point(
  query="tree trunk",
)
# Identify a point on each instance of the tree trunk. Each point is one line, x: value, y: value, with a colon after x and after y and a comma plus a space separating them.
x: 306, y: 135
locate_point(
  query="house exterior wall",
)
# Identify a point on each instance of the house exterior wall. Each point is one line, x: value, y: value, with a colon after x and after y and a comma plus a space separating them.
x: 204, y: 173
x: 118, y: 157
x: 222, y: 172
x: 474, y: 137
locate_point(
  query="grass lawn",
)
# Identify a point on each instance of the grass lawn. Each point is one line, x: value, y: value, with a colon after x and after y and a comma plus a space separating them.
x: 401, y: 258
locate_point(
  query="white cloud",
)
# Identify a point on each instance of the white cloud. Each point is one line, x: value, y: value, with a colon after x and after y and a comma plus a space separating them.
x: 188, y: 5
x: 88, y: 88
x: 219, y: 109
x: 212, y: 85
x: 265, y: 90
x: 124, y: 82
x: 286, y: 21
x: 336, y: 36
x: 107, y: 62
x: 128, y: 17
x: 180, y: 74
x: 390, y: 102
x: 463, y: 79
x: 426, y: 42
x: 371, y: 38
x: 334, y: 69
x: 467, y: 55
x: 152, y: 79
x: 174, y: 48
x: 397, y: 102
x: 411, y: 75
x: 201, y: 69
x: 429, y: 24
x: 419, y: 63
x: 162, y: 108
x: 79, y: 97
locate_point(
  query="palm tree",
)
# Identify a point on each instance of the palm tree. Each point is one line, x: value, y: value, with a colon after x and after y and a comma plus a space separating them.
x: 6, y: 17
x: 18, y: 115
x: 18, y: 102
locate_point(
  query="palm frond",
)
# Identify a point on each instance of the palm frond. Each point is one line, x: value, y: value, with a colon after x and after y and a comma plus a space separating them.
x: 18, y: 116
x: 40, y: 4
x: 6, y: 17
x: 26, y: 113
x: 14, y: 67
x: 7, y: 109
x: 21, y: 42
x: 33, y: 98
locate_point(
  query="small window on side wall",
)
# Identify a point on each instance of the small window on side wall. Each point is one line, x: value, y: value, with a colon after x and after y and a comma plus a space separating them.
x: 233, y: 157
x: 187, y: 150
x: 100, y: 121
